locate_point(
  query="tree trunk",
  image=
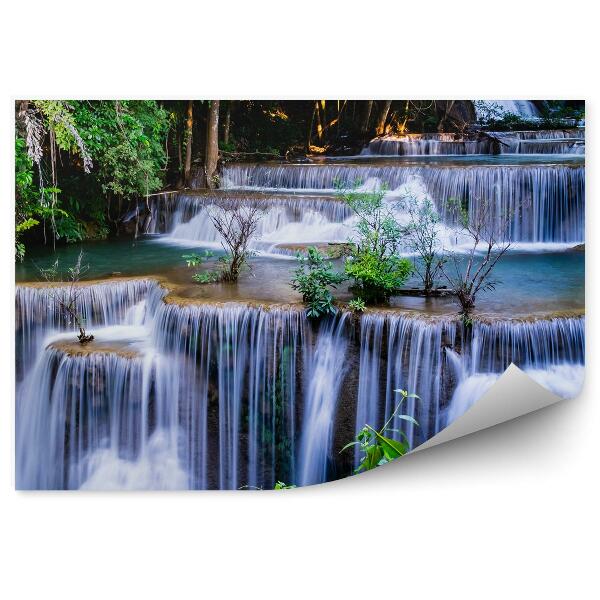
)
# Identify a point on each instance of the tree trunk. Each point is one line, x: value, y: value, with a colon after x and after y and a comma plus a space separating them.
x: 383, y: 115
x: 212, y: 144
x: 187, y: 173
x: 179, y: 160
x: 364, y: 128
x: 319, y: 122
x: 227, y: 123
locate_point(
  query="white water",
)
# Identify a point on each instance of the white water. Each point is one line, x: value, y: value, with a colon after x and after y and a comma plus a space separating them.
x: 562, y: 141
x: 523, y: 108
x: 325, y: 376
x: 211, y: 396
x: 205, y: 396
x: 546, y: 201
x: 564, y: 380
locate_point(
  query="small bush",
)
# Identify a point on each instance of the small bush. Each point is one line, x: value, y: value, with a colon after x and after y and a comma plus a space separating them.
x: 357, y: 305
x: 207, y: 277
x: 374, y: 262
x: 194, y: 260
x: 312, y: 279
x: 377, y: 278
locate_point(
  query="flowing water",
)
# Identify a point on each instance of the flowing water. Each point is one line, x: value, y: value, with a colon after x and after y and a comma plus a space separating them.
x: 565, y: 141
x: 543, y: 197
x: 226, y: 396
x: 525, y: 109
x: 231, y: 386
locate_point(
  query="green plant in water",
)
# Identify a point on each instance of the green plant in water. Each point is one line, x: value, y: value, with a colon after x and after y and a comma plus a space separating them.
x: 374, y: 261
x: 206, y: 277
x: 378, y: 448
x: 194, y: 260
x: 357, y: 305
x: 422, y: 237
x: 312, y: 279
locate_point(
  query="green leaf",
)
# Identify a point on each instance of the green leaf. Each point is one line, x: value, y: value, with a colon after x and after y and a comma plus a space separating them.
x: 391, y: 448
x: 409, y: 419
x: 349, y: 445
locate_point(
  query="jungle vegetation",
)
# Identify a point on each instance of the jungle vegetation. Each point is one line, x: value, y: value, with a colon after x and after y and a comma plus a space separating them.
x: 82, y: 166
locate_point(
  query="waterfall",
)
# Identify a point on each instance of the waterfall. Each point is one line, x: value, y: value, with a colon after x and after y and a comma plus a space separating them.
x: 449, y: 368
x: 546, y: 201
x: 300, y: 219
x: 551, y: 351
x: 559, y: 141
x: 325, y: 376
x: 525, y: 109
x: 237, y: 370
x: 402, y: 352
x: 37, y: 314
x: 100, y: 421
x: 206, y: 396
x: 563, y: 141
x: 424, y: 144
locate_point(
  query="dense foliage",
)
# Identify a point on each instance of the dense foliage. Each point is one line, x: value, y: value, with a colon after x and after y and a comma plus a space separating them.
x: 79, y: 163
x: 313, y: 279
x: 375, y: 262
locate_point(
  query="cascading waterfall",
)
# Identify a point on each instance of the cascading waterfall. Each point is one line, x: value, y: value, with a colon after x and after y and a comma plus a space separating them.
x: 546, y: 201
x: 37, y: 314
x: 178, y: 393
x: 186, y: 218
x: 559, y: 141
x: 326, y: 370
x: 238, y: 374
x: 563, y: 141
x: 551, y: 351
x: 402, y: 352
x: 176, y: 210
x: 424, y: 144
x: 526, y: 109
x: 225, y: 396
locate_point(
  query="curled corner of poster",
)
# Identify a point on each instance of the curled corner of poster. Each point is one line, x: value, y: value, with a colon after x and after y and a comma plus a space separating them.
x: 513, y: 395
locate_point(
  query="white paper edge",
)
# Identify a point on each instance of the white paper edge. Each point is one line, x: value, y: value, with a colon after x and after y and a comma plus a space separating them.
x: 513, y: 395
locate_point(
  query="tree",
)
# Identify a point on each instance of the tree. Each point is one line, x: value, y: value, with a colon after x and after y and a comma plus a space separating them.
x: 382, y: 118
x: 374, y: 261
x: 236, y: 223
x: 312, y: 279
x: 487, y: 230
x: 189, y: 126
x: 66, y: 297
x: 212, y: 145
x: 421, y: 236
x: 227, y: 123
x: 364, y: 127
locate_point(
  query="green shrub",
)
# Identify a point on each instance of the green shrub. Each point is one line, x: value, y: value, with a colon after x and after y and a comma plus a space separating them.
x: 357, y: 305
x: 312, y: 279
x: 194, y: 260
x: 207, y: 277
x: 374, y: 260
x: 377, y: 278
